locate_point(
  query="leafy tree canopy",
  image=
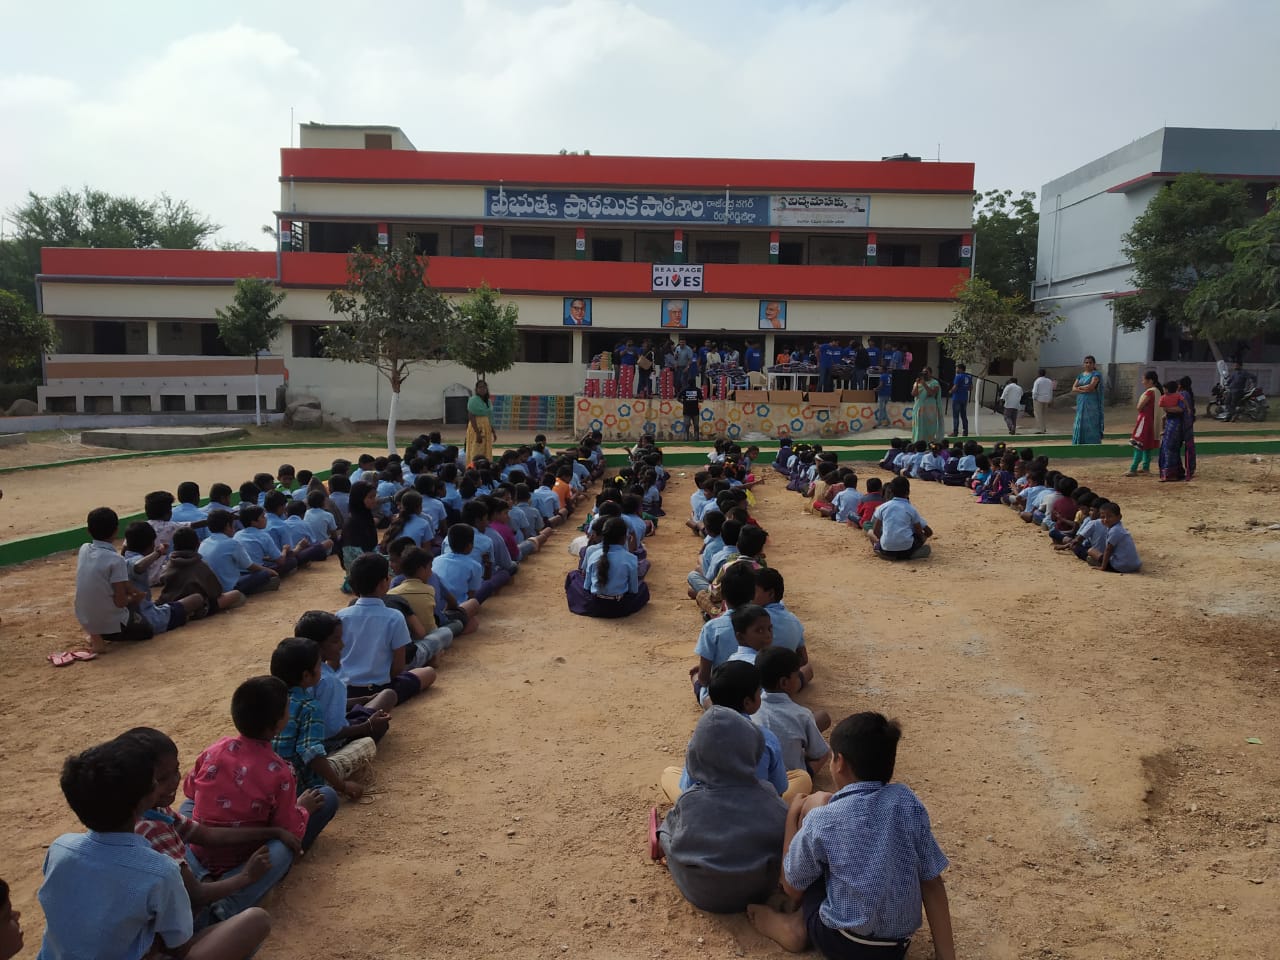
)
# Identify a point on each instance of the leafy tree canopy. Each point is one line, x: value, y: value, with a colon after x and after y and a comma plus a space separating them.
x: 24, y: 334
x: 485, y: 336
x: 94, y: 218
x: 1179, y: 241
x: 250, y: 324
x: 988, y: 326
x: 1244, y: 299
x: 1005, y: 230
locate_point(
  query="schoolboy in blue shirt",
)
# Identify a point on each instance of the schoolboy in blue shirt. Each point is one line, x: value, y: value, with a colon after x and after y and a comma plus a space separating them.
x: 884, y: 392
x: 297, y: 533
x: 860, y: 862
x: 107, y: 893
x: 1119, y: 555
x: 717, y: 641
x: 378, y: 653
x: 788, y: 631
x: 230, y: 561
x: 321, y: 525
x: 263, y: 549
x: 461, y: 575
x: 846, y: 501
x: 187, y: 509
x: 899, y: 530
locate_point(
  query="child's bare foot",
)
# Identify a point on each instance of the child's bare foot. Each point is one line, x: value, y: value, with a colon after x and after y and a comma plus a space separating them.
x: 97, y: 644
x: 784, y: 929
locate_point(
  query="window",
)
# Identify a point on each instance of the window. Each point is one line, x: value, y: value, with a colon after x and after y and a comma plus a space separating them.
x: 545, y: 347
x: 425, y: 244
x: 837, y: 251
x: 377, y: 141
x: 108, y: 336
x: 949, y: 252
x: 329, y: 237
x: 306, y: 340
x: 606, y: 248
x: 654, y: 248
x: 717, y: 251
x: 898, y: 255
x: 211, y: 344
x: 791, y: 251
x: 529, y: 247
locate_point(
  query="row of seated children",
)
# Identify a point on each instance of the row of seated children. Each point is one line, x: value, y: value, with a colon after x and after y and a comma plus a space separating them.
x: 255, y: 800
x: 207, y: 559
x: 732, y: 844
x: 1074, y: 517
x: 608, y: 582
x: 941, y: 462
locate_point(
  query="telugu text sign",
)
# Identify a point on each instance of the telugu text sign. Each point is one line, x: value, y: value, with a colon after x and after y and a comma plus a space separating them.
x: 677, y: 277
x: 622, y: 207
x: 819, y: 210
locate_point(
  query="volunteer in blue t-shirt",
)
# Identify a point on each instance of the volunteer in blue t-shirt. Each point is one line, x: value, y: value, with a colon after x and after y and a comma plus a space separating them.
x: 829, y: 354
x: 960, y: 387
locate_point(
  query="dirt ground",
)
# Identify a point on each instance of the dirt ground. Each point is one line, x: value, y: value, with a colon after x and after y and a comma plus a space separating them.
x: 1079, y: 738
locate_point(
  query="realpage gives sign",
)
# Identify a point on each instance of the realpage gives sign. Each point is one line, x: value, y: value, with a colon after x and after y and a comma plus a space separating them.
x: 677, y: 277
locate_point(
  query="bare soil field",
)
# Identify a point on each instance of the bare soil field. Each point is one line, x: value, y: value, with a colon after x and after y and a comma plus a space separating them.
x: 1079, y: 738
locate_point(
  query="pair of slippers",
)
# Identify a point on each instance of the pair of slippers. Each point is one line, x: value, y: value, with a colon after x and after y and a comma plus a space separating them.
x: 68, y: 657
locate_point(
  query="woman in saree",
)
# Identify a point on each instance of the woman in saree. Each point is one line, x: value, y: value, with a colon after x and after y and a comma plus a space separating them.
x: 926, y: 411
x: 1174, y: 407
x: 1088, y: 390
x: 1146, y: 429
x: 480, y: 435
x: 1188, y: 428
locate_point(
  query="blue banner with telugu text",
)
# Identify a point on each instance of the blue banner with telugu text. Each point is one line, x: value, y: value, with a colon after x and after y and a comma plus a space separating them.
x: 617, y: 206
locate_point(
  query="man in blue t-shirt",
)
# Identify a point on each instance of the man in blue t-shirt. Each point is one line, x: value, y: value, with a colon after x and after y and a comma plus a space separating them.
x: 960, y: 387
x: 829, y: 354
x: 753, y: 359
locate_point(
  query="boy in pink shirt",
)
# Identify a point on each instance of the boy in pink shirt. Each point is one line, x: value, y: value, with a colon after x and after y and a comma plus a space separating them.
x: 241, y: 782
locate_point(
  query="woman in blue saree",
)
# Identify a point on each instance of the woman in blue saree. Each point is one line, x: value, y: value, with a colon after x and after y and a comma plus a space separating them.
x: 1188, y: 428
x: 1088, y: 390
x: 1176, y: 419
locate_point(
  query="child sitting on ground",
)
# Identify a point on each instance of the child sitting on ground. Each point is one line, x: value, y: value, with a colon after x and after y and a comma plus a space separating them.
x: 188, y: 512
x: 607, y: 584
x: 717, y: 641
x: 867, y: 506
x: 753, y: 629
x: 798, y: 729
x: 345, y: 719
x: 141, y: 552
x: 788, y: 631
x: 899, y: 530
x: 1119, y: 555
x: 169, y: 832
x: 722, y: 838
x: 187, y: 575
x: 263, y: 549
x: 736, y: 685
x: 749, y: 552
x: 379, y: 653
x: 853, y: 905
x: 240, y: 781
x: 299, y: 532
x: 230, y: 561
x: 137, y: 902
x: 845, y: 505
x: 1090, y: 533
x: 105, y: 598
x: 296, y: 661
x: 11, y: 938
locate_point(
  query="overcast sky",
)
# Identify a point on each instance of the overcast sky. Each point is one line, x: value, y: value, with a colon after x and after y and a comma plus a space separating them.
x: 193, y: 99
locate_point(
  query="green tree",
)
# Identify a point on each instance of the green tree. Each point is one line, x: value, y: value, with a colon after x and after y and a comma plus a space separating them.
x: 485, y: 337
x: 24, y: 334
x: 1005, y: 231
x: 94, y: 218
x: 250, y: 325
x: 1179, y: 241
x: 394, y: 319
x: 1244, y: 299
x: 987, y: 326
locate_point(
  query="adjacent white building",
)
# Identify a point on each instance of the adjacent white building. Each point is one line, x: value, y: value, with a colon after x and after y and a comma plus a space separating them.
x: 1080, y: 268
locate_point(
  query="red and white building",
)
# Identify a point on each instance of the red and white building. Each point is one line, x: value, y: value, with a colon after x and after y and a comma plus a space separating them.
x: 873, y: 248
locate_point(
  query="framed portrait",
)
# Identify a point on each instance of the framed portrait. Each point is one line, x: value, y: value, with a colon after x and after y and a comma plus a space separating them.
x: 675, y: 314
x: 773, y: 314
x: 577, y: 311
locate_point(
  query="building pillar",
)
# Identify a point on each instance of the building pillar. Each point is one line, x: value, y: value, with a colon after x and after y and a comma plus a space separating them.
x: 153, y: 337
x: 768, y: 350
x: 578, y: 342
x: 934, y: 354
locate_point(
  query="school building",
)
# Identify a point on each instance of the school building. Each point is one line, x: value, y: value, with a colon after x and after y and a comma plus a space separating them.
x: 1081, y: 268
x: 592, y: 249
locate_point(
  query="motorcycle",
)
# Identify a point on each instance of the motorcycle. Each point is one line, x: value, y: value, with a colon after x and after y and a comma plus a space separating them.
x: 1253, y: 405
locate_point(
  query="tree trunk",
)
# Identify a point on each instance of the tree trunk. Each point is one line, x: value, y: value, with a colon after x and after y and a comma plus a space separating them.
x: 257, y: 393
x: 391, y: 417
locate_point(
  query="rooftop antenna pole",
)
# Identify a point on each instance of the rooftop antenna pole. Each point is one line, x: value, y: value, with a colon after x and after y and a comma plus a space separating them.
x: 291, y: 128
